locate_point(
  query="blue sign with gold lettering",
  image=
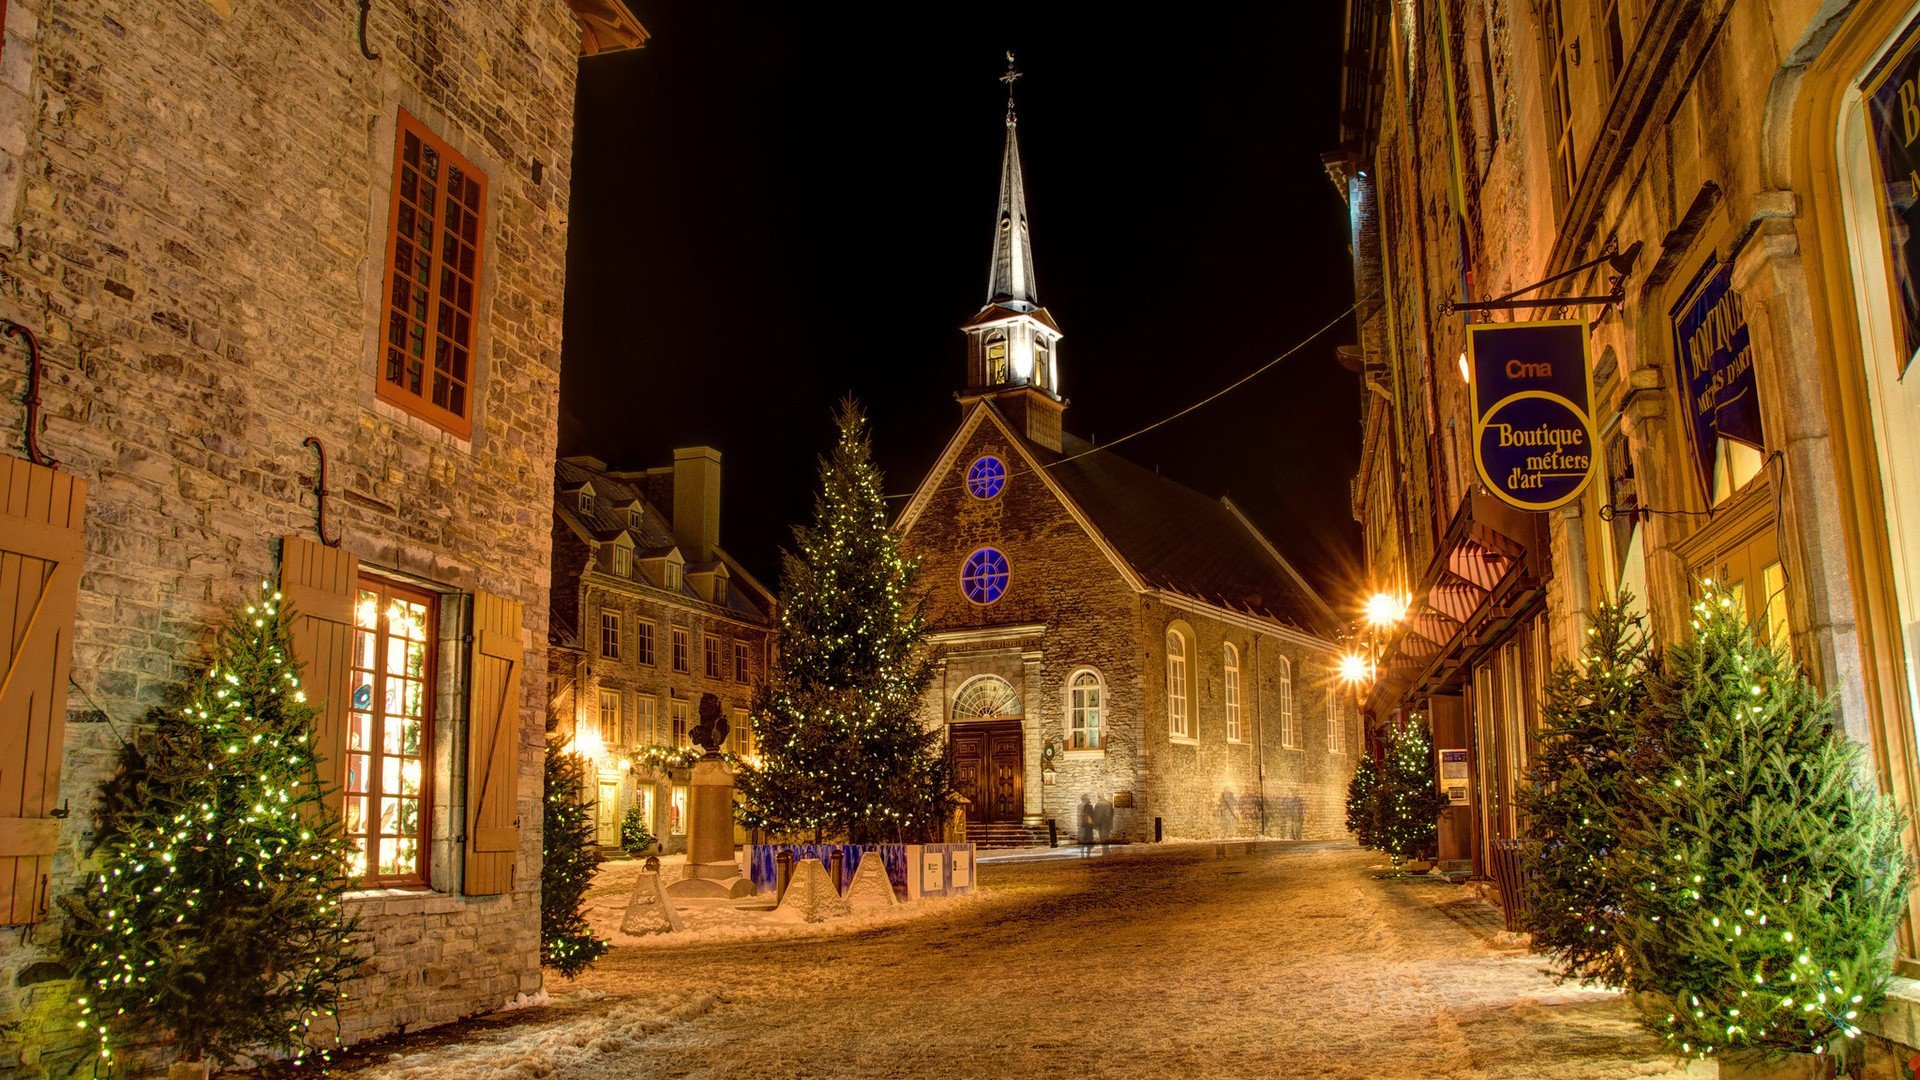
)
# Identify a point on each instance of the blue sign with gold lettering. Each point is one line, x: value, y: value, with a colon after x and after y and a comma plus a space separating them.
x: 1531, y: 389
x: 1714, y: 353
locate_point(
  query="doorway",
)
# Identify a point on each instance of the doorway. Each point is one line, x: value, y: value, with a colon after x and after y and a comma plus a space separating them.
x: 606, y: 814
x: 989, y: 768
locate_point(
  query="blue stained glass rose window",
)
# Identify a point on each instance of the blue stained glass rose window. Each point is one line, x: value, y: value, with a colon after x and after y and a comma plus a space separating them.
x: 984, y: 576
x: 986, y: 477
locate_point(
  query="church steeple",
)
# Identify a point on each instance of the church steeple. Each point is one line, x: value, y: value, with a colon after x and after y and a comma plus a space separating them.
x: 1013, y: 344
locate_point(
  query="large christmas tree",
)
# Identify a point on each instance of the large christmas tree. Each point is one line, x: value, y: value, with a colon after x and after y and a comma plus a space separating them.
x: 843, y: 752
x: 210, y: 910
x: 1766, y: 871
x: 1363, y: 803
x: 1410, y: 798
x: 1579, y: 783
x: 567, y: 861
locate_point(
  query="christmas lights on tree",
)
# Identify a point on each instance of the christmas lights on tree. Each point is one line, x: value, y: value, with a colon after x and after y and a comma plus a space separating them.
x: 1410, y: 798
x: 567, y: 861
x: 1764, y: 872
x: 1579, y: 783
x: 209, y: 913
x: 842, y: 750
x: 1363, y: 803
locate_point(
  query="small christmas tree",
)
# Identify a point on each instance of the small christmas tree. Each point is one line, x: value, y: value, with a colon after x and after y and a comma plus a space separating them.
x: 209, y: 909
x: 567, y: 861
x: 842, y: 749
x: 1363, y: 803
x: 1579, y: 784
x: 1410, y: 798
x: 1766, y: 872
x: 635, y: 838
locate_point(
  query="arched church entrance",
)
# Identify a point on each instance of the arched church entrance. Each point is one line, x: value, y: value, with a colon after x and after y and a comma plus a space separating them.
x: 986, y: 745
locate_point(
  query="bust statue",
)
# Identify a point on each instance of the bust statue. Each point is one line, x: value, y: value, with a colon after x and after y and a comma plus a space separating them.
x: 711, y: 731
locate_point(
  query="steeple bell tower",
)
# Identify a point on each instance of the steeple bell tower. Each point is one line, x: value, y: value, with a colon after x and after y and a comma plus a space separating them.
x: 1013, y: 344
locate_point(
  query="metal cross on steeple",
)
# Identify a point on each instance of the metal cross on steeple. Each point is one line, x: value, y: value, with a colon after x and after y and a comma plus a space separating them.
x: 1012, y: 76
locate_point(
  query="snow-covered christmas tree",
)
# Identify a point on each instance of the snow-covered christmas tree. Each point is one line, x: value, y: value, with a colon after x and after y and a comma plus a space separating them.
x: 843, y: 752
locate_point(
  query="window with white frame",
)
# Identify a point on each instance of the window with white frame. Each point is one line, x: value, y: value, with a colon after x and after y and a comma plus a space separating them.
x: 634, y: 516
x: 622, y: 560
x: 678, y: 711
x: 1230, y: 685
x: 1336, y: 724
x: 586, y: 500
x: 1083, y: 709
x: 1179, y: 715
x: 740, y: 672
x: 610, y: 719
x: 1283, y: 698
x: 610, y: 635
x: 645, y: 718
x: 672, y: 574
x: 681, y: 661
x: 643, y: 642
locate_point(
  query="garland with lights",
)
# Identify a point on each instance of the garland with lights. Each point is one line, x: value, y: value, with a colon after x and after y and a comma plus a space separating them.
x: 1767, y: 873
x: 1363, y: 803
x: 209, y: 911
x: 1580, y: 783
x: 1410, y: 797
x: 567, y: 861
x: 842, y: 750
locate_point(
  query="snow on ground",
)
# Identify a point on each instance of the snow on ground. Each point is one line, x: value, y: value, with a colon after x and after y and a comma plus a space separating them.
x: 1292, y: 960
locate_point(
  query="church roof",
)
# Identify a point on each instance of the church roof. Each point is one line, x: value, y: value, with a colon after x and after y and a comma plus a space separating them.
x: 1180, y: 540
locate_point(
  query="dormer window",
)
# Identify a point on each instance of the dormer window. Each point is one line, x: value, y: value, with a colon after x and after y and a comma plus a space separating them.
x: 586, y: 500
x: 633, y: 516
x: 673, y: 574
x: 622, y: 560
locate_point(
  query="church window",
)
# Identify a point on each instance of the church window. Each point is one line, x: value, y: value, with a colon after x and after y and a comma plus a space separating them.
x: 1084, y: 706
x: 434, y: 238
x: 1179, y: 716
x: 983, y: 578
x: 1230, y: 683
x: 1336, y: 724
x: 988, y: 697
x: 1042, y: 362
x: 1283, y: 693
x: 996, y: 359
x: 986, y: 477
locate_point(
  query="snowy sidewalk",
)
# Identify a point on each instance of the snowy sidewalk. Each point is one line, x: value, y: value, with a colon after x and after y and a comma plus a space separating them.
x: 1288, y: 960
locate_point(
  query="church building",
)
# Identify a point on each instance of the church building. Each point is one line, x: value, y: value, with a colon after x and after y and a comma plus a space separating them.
x: 1114, y: 653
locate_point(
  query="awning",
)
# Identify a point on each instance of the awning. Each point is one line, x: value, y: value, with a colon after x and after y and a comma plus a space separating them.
x: 1489, y: 569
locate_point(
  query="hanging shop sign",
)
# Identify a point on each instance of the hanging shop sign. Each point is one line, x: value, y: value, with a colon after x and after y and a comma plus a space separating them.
x: 1714, y: 355
x: 1893, y: 112
x: 1533, y: 432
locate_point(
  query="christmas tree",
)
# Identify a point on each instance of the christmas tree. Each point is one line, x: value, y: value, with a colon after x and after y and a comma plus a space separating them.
x: 1766, y: 871
x: 1363, y: 803
x: 842, y: 749
x: 1410, y: 798
x: 567, y: 860
x: 1579, y: 784
x: 209, y: 913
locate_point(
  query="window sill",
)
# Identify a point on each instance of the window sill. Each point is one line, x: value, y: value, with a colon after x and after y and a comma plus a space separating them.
x: 386, y: 892
x: 1239, y: 742
x: 1183, y: 740
x: 1084, y: 755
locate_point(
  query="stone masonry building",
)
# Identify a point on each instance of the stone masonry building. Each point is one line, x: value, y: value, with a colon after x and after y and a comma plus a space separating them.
x: 648, y: 613
x: 242, y: 234
x: 1114, y: 652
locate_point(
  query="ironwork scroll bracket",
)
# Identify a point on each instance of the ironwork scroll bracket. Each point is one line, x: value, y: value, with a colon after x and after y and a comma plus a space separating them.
x: 366, y: 8
x: 15, y: 330
x: 320, y: 494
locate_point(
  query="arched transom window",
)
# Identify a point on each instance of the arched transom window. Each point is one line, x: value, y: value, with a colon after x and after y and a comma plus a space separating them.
x: 1179, y: 713
x: 988, y: 697
x: 1084, y: 706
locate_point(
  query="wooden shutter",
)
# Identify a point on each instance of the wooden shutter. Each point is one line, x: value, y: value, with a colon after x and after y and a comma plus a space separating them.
x: 321, y: 583
x: 42, y: 544
x: 493, y: 744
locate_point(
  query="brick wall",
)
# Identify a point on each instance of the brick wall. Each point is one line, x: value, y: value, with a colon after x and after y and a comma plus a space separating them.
x: 194, y: 196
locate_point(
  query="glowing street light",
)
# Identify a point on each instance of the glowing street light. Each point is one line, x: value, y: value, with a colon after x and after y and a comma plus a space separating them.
x: 1355, y: 669
x: 1385, y: 609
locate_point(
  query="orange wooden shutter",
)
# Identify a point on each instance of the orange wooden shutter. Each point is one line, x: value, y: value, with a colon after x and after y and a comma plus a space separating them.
x: 42, y: 544
x: 321, y: 582
x: 493, y: 744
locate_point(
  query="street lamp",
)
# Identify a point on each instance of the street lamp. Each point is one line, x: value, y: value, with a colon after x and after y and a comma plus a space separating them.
x: 1355, y: 669
x: 1385, y: 610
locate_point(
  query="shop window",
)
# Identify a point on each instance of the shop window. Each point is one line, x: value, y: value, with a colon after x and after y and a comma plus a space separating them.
x: 436, y: 230
x: 390, y: 733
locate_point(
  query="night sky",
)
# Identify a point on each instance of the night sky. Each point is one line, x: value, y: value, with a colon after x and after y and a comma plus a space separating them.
x: 775, y: 204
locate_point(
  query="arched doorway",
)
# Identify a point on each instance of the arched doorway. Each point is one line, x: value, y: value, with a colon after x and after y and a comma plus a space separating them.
x: 986, y: 744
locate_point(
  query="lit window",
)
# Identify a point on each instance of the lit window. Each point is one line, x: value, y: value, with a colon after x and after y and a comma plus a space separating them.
x: 988, y: 697
x: 1179, y: 719
x: 711, y: 648
x: 389, y: 740
x: 434, y: 237
x: 1084, y: 712
x: 1042, y: 366
x: 1283, y: 695
x: 1773, y: 581
x: 645, y: 719
x: 739, y: 661
x: 996, y: 359
x: 610, y: 635
x: 1231, y: 683
x: 984, y: 576
x: 678, y: 711
x: 1336, y: 724
x: 681, y: 661
x: 610, y: 720
x: 643, y: 642
x: 986, y: 477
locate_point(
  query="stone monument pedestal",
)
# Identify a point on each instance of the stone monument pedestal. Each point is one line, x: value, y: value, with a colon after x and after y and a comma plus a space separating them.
x: 711, y: 871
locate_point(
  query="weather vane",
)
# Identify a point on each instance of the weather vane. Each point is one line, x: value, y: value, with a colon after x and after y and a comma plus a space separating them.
x: 1012, y: 76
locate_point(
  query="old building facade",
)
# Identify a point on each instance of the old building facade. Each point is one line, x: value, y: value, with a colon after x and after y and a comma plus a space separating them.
x: 1733, y: 181
x: 1114, y: 653
x: 242, y: 236
x: 649, y: 613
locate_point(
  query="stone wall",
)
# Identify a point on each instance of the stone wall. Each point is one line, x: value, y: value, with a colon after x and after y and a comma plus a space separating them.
x: 195, y: 199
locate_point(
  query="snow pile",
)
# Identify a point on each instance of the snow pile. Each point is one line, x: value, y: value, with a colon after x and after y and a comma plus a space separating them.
x: 648, y: 910
x: 811, y: 895
x: 580, y: 1044
x: 870, y: 891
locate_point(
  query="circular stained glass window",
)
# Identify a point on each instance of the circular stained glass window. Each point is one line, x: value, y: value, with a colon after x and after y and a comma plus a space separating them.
x: 986, y: 477
x: 984, y: 576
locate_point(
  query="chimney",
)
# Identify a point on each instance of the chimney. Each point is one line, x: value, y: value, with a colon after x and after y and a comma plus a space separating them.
x: 696, y: 502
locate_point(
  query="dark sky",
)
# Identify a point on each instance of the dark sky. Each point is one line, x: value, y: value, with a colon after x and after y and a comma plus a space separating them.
x: 777, y: 203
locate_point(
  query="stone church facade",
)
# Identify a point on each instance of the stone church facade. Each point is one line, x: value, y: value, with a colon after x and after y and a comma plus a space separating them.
x: 1115, y: 654
x: 243, y: 234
